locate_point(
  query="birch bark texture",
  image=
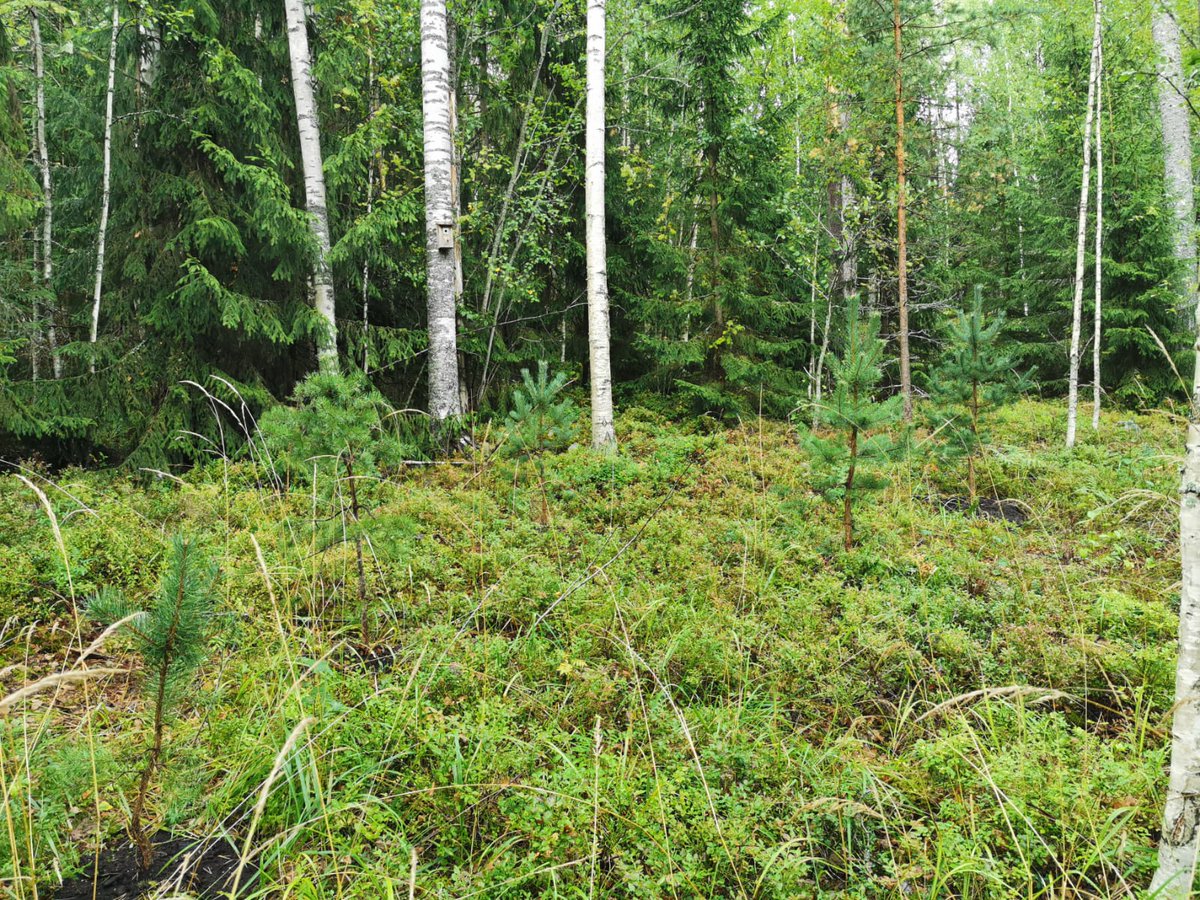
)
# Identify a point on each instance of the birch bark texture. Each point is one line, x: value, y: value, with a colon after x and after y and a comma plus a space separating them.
x: 314, y: 181
x: 1177, y: 147
x: 441, y: 266
x: 43, y: 152
x: 105, y: 184
x: 1081, y: 234
x: 1180, y: 842
x: 603, y: 432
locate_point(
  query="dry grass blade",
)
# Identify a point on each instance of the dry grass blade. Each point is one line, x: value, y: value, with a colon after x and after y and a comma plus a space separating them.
x: 1013, y: 691
x: 105, y: 635
x: 58, y: 678
x: 280, y: 759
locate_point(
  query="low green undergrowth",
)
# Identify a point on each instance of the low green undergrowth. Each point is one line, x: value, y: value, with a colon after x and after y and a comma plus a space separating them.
x: 653, y: 675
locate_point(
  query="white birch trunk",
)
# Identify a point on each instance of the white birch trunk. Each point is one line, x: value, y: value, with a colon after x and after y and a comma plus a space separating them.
x: 1179, y: 845
x: 1177, y: 152
x: 43, y: 152
x: 314, y: 181
x: 105, y: 184
x: 603, y: 434
x: 441, y: 265
x: 1081, y: 236
x: 1099, y: 261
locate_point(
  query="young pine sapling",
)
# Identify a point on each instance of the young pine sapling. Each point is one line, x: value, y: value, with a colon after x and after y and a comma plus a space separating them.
x: 845, y: 463
x: 171, y: 637
x: 973, y: 380
x: 541, y: 420
x: 335, y: 428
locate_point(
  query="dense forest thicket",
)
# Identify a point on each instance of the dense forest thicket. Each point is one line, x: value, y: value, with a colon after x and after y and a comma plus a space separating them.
x: 752, y: 186
x: 882, y: 313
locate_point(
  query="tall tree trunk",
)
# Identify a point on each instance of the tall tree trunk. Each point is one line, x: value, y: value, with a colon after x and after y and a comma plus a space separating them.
x: 43, y: 152
x: 373, y: 105
x: 902, y: 219
x: 1099, y: 261
x: 1177, y: 152
x: 1180, y: 842
x: 1081, y: 235
x: 105, y: 185
x: 314, y: 181
x: 440, y: 227
x: 603, y: 435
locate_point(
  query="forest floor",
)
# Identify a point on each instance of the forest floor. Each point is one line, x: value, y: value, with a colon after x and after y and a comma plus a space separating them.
x: 655, y: 675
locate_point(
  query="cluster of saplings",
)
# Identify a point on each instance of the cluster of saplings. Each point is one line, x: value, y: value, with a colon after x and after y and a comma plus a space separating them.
x: 336, y: 433
x: 857, y: 432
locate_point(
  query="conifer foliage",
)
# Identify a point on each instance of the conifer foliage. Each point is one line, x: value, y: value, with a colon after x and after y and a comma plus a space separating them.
x: 972, y: 381
x: 846, y: 463
x: 541, y: 418
x: 170, y: 636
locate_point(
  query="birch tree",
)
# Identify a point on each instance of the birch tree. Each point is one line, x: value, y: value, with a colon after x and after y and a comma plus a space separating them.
x: 440, y: 227
x: 105, y: 184
x: 1081, y: 233
x: 603, y: 434
x: 43, y: 154
x: 314, y: 181
x: 1179, y: 845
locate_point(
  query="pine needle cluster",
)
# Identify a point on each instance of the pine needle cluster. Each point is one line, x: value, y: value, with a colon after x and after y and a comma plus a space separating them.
x: 171, y: 638
x: 846, y: 463
x: 973, y: 380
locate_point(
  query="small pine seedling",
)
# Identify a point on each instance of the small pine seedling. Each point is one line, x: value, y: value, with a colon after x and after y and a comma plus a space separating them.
x: 335, y: 428
x: 973, y: 380
x: 541, y: 419
x: 171, y: 637
x: 845, y: 463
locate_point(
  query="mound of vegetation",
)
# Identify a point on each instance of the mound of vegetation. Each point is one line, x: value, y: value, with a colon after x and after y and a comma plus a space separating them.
x: 651, y: 674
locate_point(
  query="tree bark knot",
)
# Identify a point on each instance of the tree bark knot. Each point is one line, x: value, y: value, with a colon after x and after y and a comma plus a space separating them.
x: 1183, y: 828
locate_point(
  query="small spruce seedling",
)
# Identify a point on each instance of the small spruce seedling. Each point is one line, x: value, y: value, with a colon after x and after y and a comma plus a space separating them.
x: 171, y: 637
x: 845, y: 463
x: 973, y: 380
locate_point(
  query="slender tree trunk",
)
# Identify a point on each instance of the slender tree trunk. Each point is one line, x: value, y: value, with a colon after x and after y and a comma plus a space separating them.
x: 819, y: 386
x: 373, y: 101
x: 1016, y: 170
x: 440, y: 227
x: 105, y: 185
x: 847, y: 498
x: 1081, y: 236
x: 43, y: 152
x: 902, y: 219
x: 603, y: 435
x: 149, y: 46
x: 314, y: 181
x: 1180, y: 842
x: 1099, y: 261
